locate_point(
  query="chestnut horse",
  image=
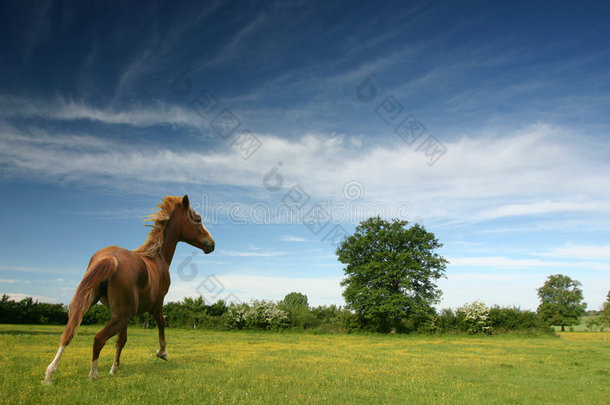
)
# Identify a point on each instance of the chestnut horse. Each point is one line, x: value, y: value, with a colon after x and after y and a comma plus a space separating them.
x: 133, y: 282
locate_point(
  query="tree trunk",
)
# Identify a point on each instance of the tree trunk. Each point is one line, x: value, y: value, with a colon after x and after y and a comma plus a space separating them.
x: 562, y: 328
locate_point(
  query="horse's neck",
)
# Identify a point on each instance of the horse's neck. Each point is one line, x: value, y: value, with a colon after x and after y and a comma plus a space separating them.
x: 170, y: 240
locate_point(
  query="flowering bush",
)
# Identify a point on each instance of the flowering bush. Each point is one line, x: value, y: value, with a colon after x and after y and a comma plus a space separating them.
x: 237, y: 316
x: 476, y: 317
x: 259, y: 315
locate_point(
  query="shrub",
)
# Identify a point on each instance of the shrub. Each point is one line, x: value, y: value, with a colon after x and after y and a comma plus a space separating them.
x: 446, y: 321
x: 476, y: 317
x: 332, y: 318
x: 510, y: 319
x: 98, y: 314
x: 195, y: 313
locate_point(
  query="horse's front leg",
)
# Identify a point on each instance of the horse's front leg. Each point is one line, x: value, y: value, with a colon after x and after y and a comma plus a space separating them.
x: 161, y: 353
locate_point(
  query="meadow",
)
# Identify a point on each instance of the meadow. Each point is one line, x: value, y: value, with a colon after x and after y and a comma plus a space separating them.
x: 218, y: 367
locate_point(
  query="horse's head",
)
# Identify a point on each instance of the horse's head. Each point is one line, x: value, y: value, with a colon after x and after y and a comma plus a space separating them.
x: 192, y: 230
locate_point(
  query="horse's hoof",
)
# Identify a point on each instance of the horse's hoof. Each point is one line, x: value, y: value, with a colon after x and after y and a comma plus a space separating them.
x: 162, y: 356
x: 93, y: 376
x: 47, y: 382
x: 113, y: 370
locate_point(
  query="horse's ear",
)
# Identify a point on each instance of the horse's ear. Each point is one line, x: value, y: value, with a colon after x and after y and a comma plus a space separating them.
x: 185, y: 201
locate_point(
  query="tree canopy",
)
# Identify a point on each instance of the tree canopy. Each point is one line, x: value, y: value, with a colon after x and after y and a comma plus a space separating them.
x: 391, y: 270
x: 295, y: 299
x: 561, y: 301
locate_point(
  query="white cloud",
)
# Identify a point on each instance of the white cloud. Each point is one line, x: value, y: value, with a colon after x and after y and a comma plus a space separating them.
x: 543, y: 207
x: 319, y: 290
x: 576, y: 251
x: 502, y: 262
x: 40, y: 298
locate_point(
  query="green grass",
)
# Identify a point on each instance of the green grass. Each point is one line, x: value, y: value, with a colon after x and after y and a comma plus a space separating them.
x: 281, y: 368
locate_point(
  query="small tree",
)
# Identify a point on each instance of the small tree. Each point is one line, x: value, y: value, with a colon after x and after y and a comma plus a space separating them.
x: 561, y: 301
x: 295, y: 299
x: 297, y: 308
x: 391, y: 272
x: 605, y: 310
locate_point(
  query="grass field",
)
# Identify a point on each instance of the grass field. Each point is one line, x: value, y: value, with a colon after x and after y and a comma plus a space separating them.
x: 280, y: 368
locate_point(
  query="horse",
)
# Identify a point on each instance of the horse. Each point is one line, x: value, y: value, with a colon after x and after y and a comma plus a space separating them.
x: 133, y: 282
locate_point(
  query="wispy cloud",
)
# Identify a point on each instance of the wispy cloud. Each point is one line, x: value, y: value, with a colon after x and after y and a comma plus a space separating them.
x: 502, y: 262
x: 253, y: 254
x: 577, y: 251
x: 38, y: 27
x: 42, y: 270
x: 292, y: 238
x: 155, y: 54
x: 543, y: 207
x: 117, y: 213
x: 155, y: 113
x: 534, y: 171
x: 228, y: 51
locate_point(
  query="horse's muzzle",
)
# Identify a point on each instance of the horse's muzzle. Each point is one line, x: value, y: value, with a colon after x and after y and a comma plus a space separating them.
x: 208, y: 247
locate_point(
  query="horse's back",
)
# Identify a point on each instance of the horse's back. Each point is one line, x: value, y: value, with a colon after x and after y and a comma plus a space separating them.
x: 130, y: 264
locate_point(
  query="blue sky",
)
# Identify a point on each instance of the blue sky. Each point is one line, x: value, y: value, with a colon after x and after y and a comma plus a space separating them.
x: 487, y: 123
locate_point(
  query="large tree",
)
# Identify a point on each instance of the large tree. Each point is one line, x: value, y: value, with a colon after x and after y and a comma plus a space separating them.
x: 561, y: 301
x: 391, y: 270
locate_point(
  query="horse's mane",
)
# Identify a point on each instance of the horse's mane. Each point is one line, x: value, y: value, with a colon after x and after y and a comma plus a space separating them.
x: 154, y: 241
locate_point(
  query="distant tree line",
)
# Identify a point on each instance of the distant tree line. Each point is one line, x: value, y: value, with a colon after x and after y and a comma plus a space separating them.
x: 291, y: 313
x: 29, y: 311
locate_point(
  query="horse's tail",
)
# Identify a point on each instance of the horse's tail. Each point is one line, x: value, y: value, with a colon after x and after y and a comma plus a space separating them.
x: 98, y: 272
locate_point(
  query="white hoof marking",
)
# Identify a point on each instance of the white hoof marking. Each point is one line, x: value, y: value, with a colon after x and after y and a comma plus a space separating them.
x: 48, y: 378
x: 93, y: 373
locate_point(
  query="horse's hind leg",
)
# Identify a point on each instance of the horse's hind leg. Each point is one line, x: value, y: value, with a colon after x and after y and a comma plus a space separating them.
x: 111, y: 329
x: 120, y: 343
x: 80, y: 305
x: 53, y: 366
x: 161, y: 353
